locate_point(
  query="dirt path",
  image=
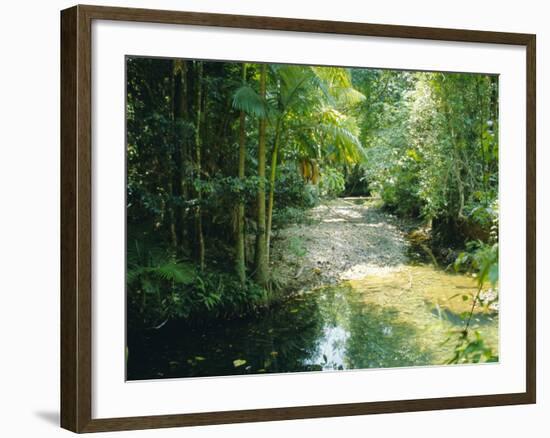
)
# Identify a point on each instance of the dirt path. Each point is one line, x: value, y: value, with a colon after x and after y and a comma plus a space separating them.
x: 347, y: 238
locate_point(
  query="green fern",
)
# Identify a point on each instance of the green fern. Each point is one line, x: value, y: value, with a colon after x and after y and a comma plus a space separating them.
x: 181, y: 273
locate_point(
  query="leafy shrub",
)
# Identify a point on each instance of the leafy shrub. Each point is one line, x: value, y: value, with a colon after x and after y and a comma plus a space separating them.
x: 293, y: 197
x: 357, y: 183
x: 482, y: 259
x: 400, y: 188
x: 484, y: 215
x: 332, y: 182
x: 292, y: 191
x: 472, y: 349
x: 160, y: 288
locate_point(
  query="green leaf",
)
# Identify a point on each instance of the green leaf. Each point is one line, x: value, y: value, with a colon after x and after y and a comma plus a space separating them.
x: 247, y: 100
x: 182, y: 273
x: 238, y: 362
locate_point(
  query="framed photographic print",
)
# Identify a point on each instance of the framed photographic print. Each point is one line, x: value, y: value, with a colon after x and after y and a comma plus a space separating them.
x: 270, y: 218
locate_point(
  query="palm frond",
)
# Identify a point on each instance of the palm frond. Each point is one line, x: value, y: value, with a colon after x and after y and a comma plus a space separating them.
x: 334, y: 76
x: 294, y: 78
x: 348, y: 96
x: 324, y: 88
x: 340, y: 134
x: 336, y: 84
x: 345, y: 146
x: 246, y: 99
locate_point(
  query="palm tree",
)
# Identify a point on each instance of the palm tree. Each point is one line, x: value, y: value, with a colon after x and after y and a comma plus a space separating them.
x: 310, y: 92
x: 311, y: 97
x: 289, y: 82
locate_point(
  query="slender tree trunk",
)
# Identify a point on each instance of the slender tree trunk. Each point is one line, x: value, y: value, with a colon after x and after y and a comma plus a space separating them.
x: 176, y: 213
x: 457, y: 167
x: 198, y: 168
x: 456, y: 163
x: 240, y: 263
x: 482, y: 122
x: 494, y: 116
x: 170, y: 177
x: 274, y: 156
x: 185, y: 147
x: 261, y: 273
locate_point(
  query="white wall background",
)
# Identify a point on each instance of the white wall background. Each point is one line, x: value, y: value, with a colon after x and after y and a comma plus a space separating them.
x: 29, y: 215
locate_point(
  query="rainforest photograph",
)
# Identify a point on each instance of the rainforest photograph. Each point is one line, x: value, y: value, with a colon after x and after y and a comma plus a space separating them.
x: 302, y: 218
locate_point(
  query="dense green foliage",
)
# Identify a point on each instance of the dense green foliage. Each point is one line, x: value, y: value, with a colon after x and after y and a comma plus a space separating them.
x: 221, y: 155
x: 432, y: 146
x: 481, y: 258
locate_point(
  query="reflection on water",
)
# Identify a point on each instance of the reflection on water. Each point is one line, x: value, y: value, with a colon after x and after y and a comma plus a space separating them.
x: 391, y: 318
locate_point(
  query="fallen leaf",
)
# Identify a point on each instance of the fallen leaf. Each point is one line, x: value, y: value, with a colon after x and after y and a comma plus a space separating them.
x: 238, y: 362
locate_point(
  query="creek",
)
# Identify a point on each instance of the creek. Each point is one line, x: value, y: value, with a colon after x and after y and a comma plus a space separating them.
x: 392, y: 317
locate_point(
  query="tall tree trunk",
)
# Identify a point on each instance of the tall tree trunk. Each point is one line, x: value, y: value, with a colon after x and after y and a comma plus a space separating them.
x: 494, y: 117
x: 240, y: 263
x: 457, y: 164
x: 482, y: 122
x: 176, y: 184
x: 274, y: 156
x: 261, y: 274
x: 198, y: 168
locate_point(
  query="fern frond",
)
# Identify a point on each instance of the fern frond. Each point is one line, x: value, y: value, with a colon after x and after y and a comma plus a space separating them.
x: 182, y: 273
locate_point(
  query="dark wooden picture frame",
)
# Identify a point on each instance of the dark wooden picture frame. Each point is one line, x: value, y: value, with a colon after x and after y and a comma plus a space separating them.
x: 76, y: 218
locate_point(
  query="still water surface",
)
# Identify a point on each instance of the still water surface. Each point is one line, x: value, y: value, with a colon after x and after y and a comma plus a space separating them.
x: 390, y: 318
